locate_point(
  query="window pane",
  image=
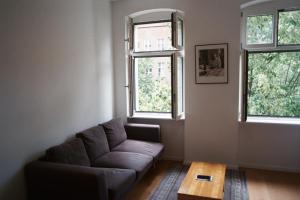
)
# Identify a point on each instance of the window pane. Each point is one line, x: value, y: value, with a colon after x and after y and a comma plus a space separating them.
x: 289, y: 27
x: 180, y: 84
x: 180, y: 32
x: 273, y: 84
x: 259, y: 29
x: 153, y: 84
x: 152, y: 37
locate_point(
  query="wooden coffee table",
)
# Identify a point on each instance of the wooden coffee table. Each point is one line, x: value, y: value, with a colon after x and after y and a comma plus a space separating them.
x: 192, y: 189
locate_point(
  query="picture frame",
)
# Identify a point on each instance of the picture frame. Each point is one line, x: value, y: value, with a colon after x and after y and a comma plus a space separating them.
x: 211, y: 63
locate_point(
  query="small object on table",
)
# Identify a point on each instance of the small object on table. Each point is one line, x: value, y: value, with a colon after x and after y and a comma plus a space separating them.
x: 212, y: 188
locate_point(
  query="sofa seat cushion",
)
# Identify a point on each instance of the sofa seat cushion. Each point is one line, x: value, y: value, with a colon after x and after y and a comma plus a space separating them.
x: 71, y: 152
x: 119, y: 182
x: 125, y: 160
x: 115, y: 132
x: 153, y: 149
x: 95, y: 142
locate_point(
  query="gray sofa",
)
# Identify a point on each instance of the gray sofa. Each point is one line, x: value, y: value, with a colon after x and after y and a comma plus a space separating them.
x: 103, y: 162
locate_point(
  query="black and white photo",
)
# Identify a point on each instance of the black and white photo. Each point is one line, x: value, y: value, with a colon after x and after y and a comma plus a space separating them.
x: 211, y: 63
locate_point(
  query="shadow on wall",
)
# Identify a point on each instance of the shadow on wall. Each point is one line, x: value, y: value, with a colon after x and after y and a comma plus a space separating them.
x: 15, y: 183
x: 15, y: 186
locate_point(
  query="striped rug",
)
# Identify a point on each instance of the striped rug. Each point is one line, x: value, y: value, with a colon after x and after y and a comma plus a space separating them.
x: 235, y: 184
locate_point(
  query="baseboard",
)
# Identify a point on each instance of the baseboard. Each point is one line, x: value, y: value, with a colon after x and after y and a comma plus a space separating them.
x: 269, y: 167
x: 245, y: 165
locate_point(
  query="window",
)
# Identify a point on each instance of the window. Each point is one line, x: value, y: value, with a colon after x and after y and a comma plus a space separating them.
x: 156, y: 69
x: 147, y: 45
x: 151, y: 33
x: 273, y: 84
x: 153, y: 93
x: 271, y: 44
x: 161, y: 44
x: 260, y: 29
x: 289, y: 27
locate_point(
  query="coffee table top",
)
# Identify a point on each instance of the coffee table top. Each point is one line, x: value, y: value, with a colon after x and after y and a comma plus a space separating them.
x: 191, y: 188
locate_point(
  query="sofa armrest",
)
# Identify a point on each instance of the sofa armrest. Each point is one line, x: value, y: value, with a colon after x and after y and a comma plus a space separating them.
x: 47, y: 180
x: 145, y: 132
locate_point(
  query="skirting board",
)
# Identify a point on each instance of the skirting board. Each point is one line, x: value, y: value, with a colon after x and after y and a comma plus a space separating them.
x: 269, y: 167
x: 253, y: 166
x: 257, y: 166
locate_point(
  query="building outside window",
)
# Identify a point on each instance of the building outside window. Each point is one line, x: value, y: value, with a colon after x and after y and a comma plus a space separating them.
x: 147, y: 45
x: 161, y: 44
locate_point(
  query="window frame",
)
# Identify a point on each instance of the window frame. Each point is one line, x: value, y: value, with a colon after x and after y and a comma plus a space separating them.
x: 175, y: 17
x: 245, y: 16
x: 277, y: 29
x: 176, y: 114
x: 173, y: 53
x: 247, y: 81
x: 147, y: 22
x: 134, y: 83
x: 271, y: 44
x: 261, y: 48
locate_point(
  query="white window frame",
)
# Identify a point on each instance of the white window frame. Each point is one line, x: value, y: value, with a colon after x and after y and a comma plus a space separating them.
x: 273, y: 47
x: 177, y: 51
x: 260, y: 46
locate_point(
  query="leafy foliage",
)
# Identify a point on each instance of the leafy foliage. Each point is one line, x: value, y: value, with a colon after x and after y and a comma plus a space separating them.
x: 154, y: 91
x: 260, y: 29
x: 273, y: 84
x: 289, y: 27
x: 273, y: 77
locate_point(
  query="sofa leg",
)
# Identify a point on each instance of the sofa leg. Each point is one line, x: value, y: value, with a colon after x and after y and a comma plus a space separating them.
x: 155, y: 163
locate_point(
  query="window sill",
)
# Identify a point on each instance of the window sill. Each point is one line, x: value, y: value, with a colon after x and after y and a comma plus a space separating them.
x: 273, y: 120
x: 152, y: 116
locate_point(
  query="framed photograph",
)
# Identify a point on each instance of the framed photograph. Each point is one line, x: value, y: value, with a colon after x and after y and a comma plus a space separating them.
x: 211, y: 63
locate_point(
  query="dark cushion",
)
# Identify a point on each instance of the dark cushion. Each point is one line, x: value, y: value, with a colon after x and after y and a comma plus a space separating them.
x: 115, y: 132
x: 119, y: 182
x: 95, y: 142
x: 145, y: 132
x: 125, y: 160
x: 153, y: 149
x: 70, y: 152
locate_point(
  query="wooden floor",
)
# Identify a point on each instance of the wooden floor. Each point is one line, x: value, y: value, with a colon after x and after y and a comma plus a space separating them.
x: 272, y: 185
x: 262, y: 185
x: 143, y: 189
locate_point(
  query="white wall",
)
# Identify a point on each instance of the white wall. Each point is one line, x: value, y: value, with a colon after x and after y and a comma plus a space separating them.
x: 211, y: 124
x: 270, y: 146
x: 211, y: 130
x: 56, y: 78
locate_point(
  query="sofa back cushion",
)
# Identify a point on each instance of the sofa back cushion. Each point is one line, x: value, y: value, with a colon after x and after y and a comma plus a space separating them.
x: 70, y: 152
x: 95, y: 142
x: 115, y: 132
